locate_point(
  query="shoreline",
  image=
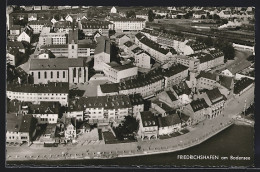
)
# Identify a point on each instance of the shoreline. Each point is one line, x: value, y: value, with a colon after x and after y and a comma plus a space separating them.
x: 142, y: 153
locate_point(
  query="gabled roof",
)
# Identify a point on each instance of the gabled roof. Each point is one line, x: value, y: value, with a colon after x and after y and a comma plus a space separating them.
x: 16, y: 44
x: 182, y: 88
x: 136, y: 99
x: 171, y: 96
x: 109, y: 88
x: 148, y: 119
x: 207, y: 75
x: 44, y: 108
x: 198, y: 104
x: 226, y: 81
x: 215, y: 96
x: 169, y: 120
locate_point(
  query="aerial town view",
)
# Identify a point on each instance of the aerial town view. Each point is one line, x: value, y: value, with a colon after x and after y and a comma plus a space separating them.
x: 114, y: 85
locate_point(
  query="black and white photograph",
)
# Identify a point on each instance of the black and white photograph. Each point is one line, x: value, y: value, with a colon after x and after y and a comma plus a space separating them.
x: 126, y: 86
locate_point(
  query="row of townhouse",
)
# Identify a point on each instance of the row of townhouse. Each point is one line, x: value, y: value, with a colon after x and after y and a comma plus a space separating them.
x: 90, y: 27
x: 158, y: 52
x: 105, y: 108
x: 201, y: 61
x: 181, y: 45
x: 153, y: 126
x: 51, y: 92
x: 148, y: 84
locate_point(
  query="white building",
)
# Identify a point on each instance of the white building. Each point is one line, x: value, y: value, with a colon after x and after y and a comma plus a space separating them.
x: 113, y: 10
x: 51, y: 92
x: 37, y: 25
x: 143, y: 60
x: 159, y: 53
x: 118, y: 73
x: 25, y: 35
x: 128, y: 24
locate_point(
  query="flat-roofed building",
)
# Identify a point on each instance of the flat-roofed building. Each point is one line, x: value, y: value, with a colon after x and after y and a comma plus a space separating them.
x: 118, y: 73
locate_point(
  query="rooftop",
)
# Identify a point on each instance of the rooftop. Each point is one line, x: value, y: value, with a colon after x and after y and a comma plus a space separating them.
x: 129, y: 43
x: 182, y: 88
x: 16, y: 44
x: 226, y: 81
x: 148, y: 119
x: 119, y: 67
x: 215, y: 96
x: 208, y: 75
x: 198, y: 104
x: 143, y: 39
x: 56, y: 63
x: 39, y: 88
x: 103, y: 45
x: 169, y: 120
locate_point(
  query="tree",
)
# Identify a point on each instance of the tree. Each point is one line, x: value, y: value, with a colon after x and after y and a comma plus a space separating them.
x: 208, y: 41
x: 216, y: 17
x: 127, y: 129
x: 130, y: 14
x: 151, y: 16
x: 81, y: 35
x: 203, y: 17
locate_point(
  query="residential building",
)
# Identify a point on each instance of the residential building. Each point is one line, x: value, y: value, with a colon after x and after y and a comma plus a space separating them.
x: 128, y: 24
x: 37, y: 25
x: 191, y: 63
x: 15, y: 30
x: 45, y: 112
x: 182, y: 92
x: 102, y: 53
x: 15, y: 45
x: 199, y: 14
x: 25, y: 35
x: 148, y: 126
x: 20, y: 128
x: 169, y: 98
x: 70, y: 132
x: 142, y: 60
x: 224, y: 14
x: 169, y: 124
x: 216, y: 102
x: 49, y: 38
x: 197, y: 110
x: 161, y: 108
x: 122, y: 39
x: 90, y: 27
x: 51, y: 92
x: 243, y: 85
x: 12, y: 57
x: 226, y: 85
x: 207, y: 80
x: 142, y: 15
x: 137, y: 103
x: 119, y: 73
x: 159, y: 53
x: 59, y: 70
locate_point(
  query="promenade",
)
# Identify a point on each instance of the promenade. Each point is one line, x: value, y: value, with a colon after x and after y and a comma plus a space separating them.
x: 197, y: 135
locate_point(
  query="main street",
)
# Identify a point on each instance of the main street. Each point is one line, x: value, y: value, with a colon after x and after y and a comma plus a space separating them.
x: 234, y: 107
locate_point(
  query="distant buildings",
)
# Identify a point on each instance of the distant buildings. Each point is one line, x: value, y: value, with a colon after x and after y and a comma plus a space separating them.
x: 90, y: 27
x: 128, y: 24
x: 37, y: 25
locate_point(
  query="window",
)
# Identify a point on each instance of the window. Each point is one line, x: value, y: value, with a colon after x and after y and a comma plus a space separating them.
x: 32, y: 73
x: 58, y: 74
x: 63, y: 74
x: 51, y: 74
x: 45, y: 75
x: 39, y: 75
x: 72, y: 47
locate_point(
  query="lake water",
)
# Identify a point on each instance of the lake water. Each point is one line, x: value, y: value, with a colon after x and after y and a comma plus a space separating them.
x: 236, y: 140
